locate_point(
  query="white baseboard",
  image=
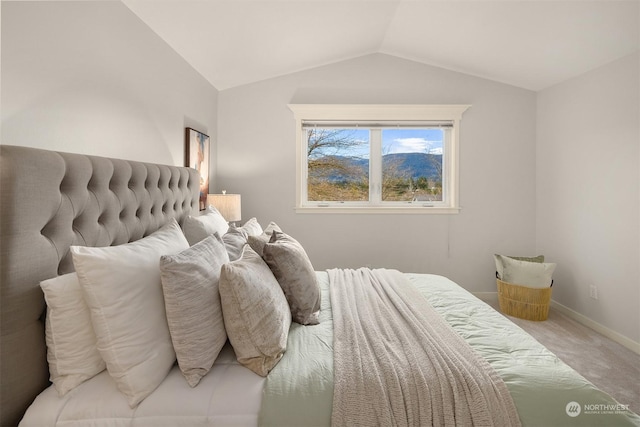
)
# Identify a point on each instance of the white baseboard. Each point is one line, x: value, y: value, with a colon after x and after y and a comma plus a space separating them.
x: 580, y: 318
x: 609, y: 333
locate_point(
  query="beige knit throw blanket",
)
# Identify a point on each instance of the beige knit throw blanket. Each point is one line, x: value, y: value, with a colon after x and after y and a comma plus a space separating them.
x: 398, y: 363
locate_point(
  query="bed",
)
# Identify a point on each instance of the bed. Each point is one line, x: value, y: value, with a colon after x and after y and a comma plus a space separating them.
x: 51, y: 202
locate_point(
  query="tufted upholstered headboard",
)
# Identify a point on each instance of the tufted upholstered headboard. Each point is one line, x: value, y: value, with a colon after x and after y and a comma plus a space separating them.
x: 48, y: 202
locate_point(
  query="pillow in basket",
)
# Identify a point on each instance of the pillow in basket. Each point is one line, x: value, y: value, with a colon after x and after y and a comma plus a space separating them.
x: 525, y: 273
x: 500, y: 266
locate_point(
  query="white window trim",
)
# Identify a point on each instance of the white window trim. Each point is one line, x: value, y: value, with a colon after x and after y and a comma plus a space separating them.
x: 370, y: 112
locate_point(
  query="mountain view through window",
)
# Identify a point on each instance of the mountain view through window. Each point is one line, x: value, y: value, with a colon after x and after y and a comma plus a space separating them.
x: 405, y: 164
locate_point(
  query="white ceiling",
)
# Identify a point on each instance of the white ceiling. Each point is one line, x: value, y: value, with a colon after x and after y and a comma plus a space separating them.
x: 526, y: 43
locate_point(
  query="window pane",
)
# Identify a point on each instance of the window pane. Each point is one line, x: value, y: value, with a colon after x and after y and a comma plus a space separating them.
x: 338, y: 164
x: 412, y: 164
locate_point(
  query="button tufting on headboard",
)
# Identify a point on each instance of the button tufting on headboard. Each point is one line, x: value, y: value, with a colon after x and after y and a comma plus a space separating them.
x: 48, y: 202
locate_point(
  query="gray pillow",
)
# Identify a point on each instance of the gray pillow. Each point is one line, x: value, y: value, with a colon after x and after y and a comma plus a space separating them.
x: 194, y: 313
x: 234, y: 240
x: 292, y: 267
x: 257, y: 242
x: 256, y: 314
x: 236, y: 237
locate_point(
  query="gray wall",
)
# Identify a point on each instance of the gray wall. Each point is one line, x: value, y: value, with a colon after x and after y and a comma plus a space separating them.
x: 90, y: 77
x: 588, y: 183
x: 256, y: 157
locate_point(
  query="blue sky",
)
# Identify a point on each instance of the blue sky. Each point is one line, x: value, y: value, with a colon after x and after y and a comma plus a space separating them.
x: 412, y: 141
x: 400, y: 141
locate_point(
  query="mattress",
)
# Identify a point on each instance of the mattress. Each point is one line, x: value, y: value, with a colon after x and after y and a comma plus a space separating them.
x: 229, y: 395
x: 299, y: 390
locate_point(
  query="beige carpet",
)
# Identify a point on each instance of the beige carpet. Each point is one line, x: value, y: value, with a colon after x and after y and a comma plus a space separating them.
x: 607, y: 364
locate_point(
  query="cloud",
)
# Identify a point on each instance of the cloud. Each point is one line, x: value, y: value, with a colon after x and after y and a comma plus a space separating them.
x: 415, y: 145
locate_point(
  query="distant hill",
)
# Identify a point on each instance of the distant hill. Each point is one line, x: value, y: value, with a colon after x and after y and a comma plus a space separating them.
x: 415, y: 165
x: 412, y: 165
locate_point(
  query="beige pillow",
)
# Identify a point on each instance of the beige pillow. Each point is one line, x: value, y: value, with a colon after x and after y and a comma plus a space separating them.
x: 256, y: 314
x: 190, y: 285
x: 122, y: 288
x: 292, y: 268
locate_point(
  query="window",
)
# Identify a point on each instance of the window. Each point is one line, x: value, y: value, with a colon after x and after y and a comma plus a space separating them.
x: 377, y: 158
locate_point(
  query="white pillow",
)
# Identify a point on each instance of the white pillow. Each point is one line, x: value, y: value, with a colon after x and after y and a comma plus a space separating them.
x: 526, y: 273
x: 196, y: 228
x: 192, y: 300
x: 252, y: 227
x: 121, y: 285
x: 71, y: 343
x: 500, y: 266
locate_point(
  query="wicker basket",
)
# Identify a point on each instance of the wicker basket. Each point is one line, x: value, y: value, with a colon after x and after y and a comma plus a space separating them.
x: 524, y: 302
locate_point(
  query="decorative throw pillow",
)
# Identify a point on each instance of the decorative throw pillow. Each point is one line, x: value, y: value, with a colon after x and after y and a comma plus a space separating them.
x: 500, y: 267
x: 197, y: 228
x: 121, y: 285
x: 257, y: 242
x: 190, y: 284
x: 255, y: 311
x: 71, y: 343
x: 525, y: 273
x: 236, y: 237
x: 292, y: 268
x: 234, y: 241
x: 252, y: 227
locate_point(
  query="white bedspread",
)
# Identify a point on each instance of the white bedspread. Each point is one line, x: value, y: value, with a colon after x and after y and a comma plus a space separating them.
x: 229, y: 395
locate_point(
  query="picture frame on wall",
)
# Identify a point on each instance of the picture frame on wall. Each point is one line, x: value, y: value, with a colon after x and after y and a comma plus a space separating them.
x: 197, y: 149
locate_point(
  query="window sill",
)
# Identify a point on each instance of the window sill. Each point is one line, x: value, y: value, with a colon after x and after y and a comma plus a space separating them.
x: 421, y: 210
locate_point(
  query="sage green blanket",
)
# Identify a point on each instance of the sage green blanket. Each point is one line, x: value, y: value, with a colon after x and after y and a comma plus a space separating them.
x: 546, y: 392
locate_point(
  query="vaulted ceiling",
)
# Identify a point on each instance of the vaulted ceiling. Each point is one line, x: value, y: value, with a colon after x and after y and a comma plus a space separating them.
x: 526, y: 43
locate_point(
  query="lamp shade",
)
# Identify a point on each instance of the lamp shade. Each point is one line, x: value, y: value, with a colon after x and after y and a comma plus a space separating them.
x: 229, y: 205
